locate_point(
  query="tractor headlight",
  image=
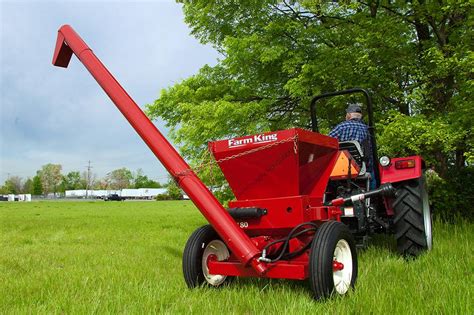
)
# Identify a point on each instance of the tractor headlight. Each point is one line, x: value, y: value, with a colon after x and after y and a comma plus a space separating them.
x: 384, y: 161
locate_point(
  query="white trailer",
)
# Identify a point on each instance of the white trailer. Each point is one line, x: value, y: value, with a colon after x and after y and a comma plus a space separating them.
x: 77, y: 193
x: 131, y: 193
x: 101, y: 193
x: 83, y: 193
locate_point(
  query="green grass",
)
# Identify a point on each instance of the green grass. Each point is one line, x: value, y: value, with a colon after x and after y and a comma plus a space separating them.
x: 99, y: 257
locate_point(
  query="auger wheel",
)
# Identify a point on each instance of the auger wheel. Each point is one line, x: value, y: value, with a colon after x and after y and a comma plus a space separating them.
x: 332, y: 261
x: 203, y: 244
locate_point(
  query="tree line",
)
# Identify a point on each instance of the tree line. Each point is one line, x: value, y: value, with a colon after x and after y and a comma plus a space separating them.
x: 50, y: 179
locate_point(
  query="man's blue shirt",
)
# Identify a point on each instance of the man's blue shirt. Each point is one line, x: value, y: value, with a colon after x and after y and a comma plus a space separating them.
x: 355, y: 129
x: 349, y: 130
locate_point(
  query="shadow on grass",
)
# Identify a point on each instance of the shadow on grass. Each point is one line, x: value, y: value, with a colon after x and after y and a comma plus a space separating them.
x: 381, y: 242
x: 286, y: 289
x: 270, y: 286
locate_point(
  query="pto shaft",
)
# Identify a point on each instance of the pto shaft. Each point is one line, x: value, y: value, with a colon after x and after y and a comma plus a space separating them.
x: 386, y: 190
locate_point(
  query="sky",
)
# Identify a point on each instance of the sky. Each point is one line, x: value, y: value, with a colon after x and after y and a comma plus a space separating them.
x: 55, y: 115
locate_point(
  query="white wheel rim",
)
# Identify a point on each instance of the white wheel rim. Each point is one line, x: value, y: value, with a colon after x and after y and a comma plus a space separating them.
x: 427, y: 218
x: 342, y: 278
x: 218, y: 249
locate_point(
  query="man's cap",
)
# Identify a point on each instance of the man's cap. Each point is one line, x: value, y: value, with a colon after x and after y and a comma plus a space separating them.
x: 354, y: 108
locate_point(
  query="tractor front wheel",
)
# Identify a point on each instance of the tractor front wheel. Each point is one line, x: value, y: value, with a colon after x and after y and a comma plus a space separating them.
x: 202, y: 245
x: 332, y: 260
x: 412, y: 220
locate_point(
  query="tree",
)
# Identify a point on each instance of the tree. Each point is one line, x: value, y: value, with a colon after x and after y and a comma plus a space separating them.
x: 28, y: 186
x: 174, y: 192
x: 13, y: 185
x: 7, y: 188
x: 120, y: 178
x: 72, y: 181
x: 37, y: 186
x: 142, y: 181
x: 50, y: 175
x: 88, y: 179
x: 415, y: 58
x: 101, y: 184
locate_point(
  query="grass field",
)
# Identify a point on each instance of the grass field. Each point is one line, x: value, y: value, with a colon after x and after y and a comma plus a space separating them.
x: 99, y: 257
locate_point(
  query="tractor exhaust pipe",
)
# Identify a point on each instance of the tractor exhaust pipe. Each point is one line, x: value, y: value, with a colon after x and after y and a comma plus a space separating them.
x: 69, y: 42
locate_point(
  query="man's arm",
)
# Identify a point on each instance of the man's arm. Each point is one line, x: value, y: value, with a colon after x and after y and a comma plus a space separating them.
x: 335, y: 132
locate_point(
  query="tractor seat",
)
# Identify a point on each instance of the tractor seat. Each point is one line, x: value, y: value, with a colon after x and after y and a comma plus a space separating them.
x: 356, y: 152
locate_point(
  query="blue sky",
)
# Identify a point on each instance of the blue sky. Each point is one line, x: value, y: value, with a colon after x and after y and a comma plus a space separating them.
x: 55, y: 115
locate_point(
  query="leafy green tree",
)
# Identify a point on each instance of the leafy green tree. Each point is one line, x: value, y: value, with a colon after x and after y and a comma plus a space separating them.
x: 28, y: 186
x: 73, y: 181
x: 434, y: 139
x: 415, y: 57
x: 51, y: 177
x: 174, y: 192
x: 142, y: 181
x: 7, y: 188
x: 4, y: 190
x: 120, y: 178
x: 13, y: 185
x: 37, y: 186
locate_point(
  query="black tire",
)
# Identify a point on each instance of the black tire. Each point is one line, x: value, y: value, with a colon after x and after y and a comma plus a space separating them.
x: 194, y: 271
x: 321, y: 274
x: 412, y: 218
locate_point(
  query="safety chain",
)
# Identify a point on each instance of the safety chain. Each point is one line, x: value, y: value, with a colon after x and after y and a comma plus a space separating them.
x: 238, y: 155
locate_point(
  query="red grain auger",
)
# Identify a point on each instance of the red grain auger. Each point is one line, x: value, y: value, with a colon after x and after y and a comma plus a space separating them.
x: 303, y: 200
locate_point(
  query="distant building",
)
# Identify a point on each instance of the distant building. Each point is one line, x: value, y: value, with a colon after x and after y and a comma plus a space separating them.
x: 139, y: 193
x: 12, y: 197
x: 83, y: 193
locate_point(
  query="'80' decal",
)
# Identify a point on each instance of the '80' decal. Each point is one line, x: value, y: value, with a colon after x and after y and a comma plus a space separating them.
x: 243, y: 225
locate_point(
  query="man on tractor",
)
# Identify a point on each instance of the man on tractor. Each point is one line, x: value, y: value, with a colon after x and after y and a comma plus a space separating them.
x: 354, y: 129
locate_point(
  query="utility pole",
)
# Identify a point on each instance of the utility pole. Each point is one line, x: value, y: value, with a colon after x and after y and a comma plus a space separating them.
x: 88, y: 178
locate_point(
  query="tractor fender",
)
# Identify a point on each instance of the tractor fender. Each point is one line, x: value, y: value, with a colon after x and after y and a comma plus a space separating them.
x: 400, y: 170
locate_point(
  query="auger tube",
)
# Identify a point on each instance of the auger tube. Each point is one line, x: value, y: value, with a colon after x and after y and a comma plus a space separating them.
x: 69, y: 42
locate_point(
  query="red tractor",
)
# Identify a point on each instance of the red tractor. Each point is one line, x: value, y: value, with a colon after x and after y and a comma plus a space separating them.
x: 303, y: 204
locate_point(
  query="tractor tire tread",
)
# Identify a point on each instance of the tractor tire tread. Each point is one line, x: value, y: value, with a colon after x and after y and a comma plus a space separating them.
x: 408, y: 219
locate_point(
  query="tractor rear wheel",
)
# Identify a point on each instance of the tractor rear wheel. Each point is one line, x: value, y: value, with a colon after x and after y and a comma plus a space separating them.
x: 332, y: 260
x: 412, y: 219
x: 203, y: 243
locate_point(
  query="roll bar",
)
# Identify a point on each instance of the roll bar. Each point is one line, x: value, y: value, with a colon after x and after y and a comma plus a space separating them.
x: 368, y: 99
